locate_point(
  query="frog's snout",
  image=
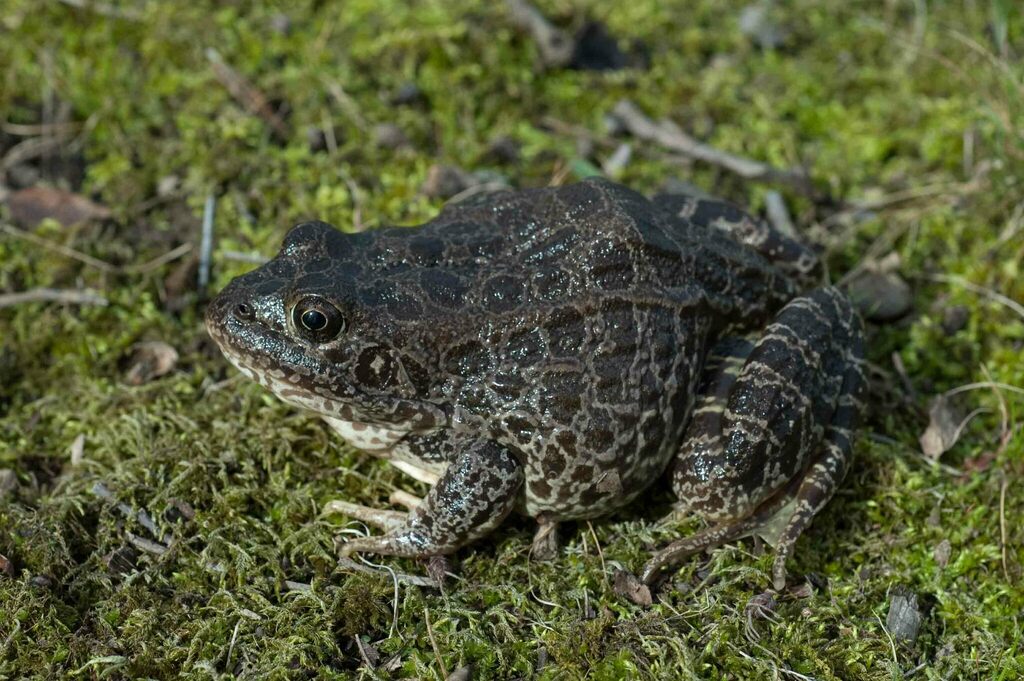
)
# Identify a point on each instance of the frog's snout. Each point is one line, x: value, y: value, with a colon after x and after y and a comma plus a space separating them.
x: 227, y: 307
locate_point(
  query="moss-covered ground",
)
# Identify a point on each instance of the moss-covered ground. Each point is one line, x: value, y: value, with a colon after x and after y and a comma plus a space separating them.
x: 917, y: 107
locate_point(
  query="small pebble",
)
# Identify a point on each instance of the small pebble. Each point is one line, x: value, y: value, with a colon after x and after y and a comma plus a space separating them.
x: 955, y: 318
x: 281, y: 23
x: 904, y: 619
x: 757, y: 23
x: 8, y: 482
x: 316, y: 139
x: 461, y: 674
x: 444, y: 182
x: 596, y: 49
x: 503, y: 149
x: 881, y: 296
x: 389, y: 136
x: 407, y: 94
x: 628, y: 586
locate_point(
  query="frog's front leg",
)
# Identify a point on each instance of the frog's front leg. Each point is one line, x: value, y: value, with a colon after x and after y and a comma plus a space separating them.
x: 772, y: 435
x: 475, y: 493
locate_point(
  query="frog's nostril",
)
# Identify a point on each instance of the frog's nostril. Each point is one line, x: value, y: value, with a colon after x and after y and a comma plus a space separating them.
x: 243, y: 311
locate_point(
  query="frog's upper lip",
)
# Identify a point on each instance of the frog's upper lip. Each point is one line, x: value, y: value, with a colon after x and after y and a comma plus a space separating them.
x: 266, y: 351
x: 299, y: 376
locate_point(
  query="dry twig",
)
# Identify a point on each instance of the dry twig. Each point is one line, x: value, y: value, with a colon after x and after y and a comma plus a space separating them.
x: 668, y: 135
x: 433, y: 644
x: 556, y: 48
x: 246, y: 94
x: 53, y: 295
x: 59, y: 248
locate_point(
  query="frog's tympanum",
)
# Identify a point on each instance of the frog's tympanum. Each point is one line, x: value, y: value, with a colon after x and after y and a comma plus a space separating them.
x: 555, y: 351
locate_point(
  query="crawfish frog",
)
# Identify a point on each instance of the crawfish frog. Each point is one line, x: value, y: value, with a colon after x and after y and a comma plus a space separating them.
x: 555, y: 351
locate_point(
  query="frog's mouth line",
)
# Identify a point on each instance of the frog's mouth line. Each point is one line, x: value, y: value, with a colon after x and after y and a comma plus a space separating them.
x: 265, y: 355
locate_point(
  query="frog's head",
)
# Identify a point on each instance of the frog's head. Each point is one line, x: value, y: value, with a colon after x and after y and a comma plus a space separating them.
x: 295, y: 325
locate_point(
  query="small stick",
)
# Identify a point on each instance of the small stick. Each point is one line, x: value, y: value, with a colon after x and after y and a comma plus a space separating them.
x: 53, y: 295
x: 101, y: 265
x: 246, y: 94
x: 362, y: 652
x: 206, y: 243
x: 31, y: 148
x: 147, y: 545
x: 987, y: 292
x: 556, y: 48
x: 59, y: 248
x: 24, y: 130
x: 669, y: 135
x: 413, y: 580
x: 600, y: 553
x: 159, y: 261
x: 143, y: 518
x: 105, y: 9
x: 778, y: 213
x: 433, y: 644
x: 1002, y: 526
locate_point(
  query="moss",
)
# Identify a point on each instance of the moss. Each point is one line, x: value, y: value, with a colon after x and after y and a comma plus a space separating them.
x: 874, y: 98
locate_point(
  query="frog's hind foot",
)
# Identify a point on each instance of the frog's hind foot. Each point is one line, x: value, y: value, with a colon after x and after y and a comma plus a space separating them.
x: 823, y: 477
x: 713, y: 536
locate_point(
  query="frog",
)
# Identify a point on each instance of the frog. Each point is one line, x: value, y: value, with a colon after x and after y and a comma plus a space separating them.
x: 554, y: 352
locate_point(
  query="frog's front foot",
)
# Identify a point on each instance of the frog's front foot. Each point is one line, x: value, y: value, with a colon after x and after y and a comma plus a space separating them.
x: 473, y: 496
x: 772, y: 435
x: 545, y: 543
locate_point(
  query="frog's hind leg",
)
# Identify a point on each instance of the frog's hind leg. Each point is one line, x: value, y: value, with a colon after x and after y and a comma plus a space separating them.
x: 822, y: 479
x: 475, y: 493
x: 784, y: 251
x: 767, y: 410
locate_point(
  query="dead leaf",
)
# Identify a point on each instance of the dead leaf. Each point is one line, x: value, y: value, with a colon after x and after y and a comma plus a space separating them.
x: 942, y: 553
x: 6, y: 566
x: 369, y: 653
x: 32, y: 205
x: 942, y: 432
x: 980, y: 463
x: 944, y: 429
x: 629, y: 586
x: 78, y: 450
x: 150, y: 360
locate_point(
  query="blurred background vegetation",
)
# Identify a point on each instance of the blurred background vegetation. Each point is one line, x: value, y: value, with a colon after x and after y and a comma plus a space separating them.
x: 159, y: 517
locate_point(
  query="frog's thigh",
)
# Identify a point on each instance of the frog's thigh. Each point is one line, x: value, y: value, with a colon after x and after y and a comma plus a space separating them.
x: 763, y: 415
x: 776, y: 420
x: 473, y: 496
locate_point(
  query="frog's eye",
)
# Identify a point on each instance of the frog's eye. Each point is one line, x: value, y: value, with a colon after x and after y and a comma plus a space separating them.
x: 317, y: 319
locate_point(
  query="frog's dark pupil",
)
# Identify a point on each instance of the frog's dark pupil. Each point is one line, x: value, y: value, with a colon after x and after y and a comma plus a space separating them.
x: 314, y: 320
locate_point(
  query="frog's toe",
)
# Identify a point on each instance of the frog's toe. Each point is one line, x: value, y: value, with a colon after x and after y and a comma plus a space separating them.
x: 545, y: 542
x: 383, y: 544
x: 376, y: 517
x: 677, y: 551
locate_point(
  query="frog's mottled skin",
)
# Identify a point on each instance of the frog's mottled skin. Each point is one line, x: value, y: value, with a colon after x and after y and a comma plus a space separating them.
x: 556, y: 350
